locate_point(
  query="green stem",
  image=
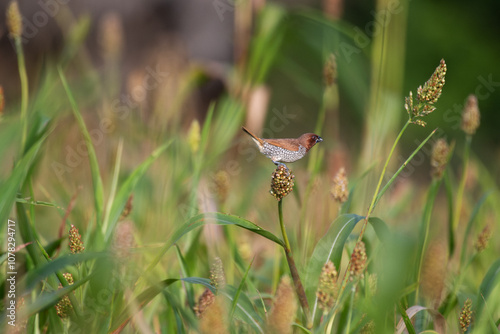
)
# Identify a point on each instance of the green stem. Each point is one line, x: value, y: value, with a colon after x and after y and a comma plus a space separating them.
x: 23, y: 77
x: 461, y: 186
x: 299, y: 288
x: 351, y: 306
x: 372, y: 205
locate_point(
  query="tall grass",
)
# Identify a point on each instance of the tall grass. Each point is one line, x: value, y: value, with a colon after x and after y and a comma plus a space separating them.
x: 156, y: 197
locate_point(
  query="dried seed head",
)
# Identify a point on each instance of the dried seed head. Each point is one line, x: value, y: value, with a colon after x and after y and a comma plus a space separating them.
x: 439, y: 158
x: 281, y: 182
x: 111, y: 35
x: 466, y: 315
x: 471, y: 116
x: 434, y: 271
x: 64, y: 306
x: 330, y: 70
x: 205, y: 300
x: 221, y: 180
x: 358, y: 261
x: 483, y: 239
x: 123, y: 240
x: 339, y: 191
x: 431, y: 91
x: 75, y: 241
x: 194, y: 136
x: 217, y: 276
x: 14, y: 20
x: 327, y: 287
x: 282, y: 313
x: 214, y: 319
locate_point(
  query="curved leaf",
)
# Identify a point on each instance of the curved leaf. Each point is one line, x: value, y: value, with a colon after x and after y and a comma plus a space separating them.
x: 126, y: 189
x: 330, y: 247
x: 490, y: 280
x: 439, y: 321
x: 212, y: 218
x: 146, y: 296
x: 244, y: 308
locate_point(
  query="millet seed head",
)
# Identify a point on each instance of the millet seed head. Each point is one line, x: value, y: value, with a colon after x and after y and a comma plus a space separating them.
x: 439, y: 158
x: 471, y: 116
x: 358, y: 261
x: 281, y: 182
x: 75, y: 241
x: 466, y: 315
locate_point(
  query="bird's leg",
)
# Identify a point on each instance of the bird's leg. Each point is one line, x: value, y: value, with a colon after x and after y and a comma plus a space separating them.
x: 277, y: 163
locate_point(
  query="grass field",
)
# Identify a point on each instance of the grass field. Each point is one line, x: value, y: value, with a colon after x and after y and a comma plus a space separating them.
x: 123, y: 209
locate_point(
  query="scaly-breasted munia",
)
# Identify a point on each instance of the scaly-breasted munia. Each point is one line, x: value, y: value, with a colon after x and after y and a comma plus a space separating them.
x: 286, y: 149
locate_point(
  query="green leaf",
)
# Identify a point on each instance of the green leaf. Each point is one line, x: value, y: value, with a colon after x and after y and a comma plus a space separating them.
x: 37, y: 275
x: 185, y: 273
x: 127, y: 186
x: 212, y: 218
x: 405, y: 322
x: 331, y: 246
x: 145, y: 297
x: 94, y: 165
x: 240, y: 288
x: 12, y: 185
x: 467, y: 233
x: 490, y: 281
x: 244, y: 308
x: 47, y: 299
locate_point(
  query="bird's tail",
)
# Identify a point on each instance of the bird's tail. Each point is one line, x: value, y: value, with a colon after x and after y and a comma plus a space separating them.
x: 257, y: 139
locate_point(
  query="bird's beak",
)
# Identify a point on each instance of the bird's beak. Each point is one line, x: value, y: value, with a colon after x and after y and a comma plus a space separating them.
x: 319, y: 140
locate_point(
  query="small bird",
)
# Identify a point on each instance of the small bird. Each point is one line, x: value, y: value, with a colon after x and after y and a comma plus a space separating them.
x: 286, y: 149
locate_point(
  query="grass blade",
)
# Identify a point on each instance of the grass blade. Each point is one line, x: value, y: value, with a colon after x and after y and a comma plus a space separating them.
x: 126, y: 189
x: 237, y: 294
x: 212, y: 218
x: 94, y: 165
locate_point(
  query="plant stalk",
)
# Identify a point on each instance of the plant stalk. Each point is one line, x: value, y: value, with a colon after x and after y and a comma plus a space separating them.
x: 299, y: 288
x: 23, y: 77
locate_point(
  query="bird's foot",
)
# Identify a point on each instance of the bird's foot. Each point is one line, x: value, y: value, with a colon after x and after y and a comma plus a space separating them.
x: 281, y: 164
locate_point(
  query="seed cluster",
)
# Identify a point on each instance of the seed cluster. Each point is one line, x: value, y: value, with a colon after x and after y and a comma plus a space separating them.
x: 466, y: 315
x: 358, y: 261
x: 327, y: 287
x: 64, y: 307
x: 339, y: 191
x: 483, y: 239
x: 471, y: 116
x: 75, y: 241
x: 439, y: 158
x: 281, y: 182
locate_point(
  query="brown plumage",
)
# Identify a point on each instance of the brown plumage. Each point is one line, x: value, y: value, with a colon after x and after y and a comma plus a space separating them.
x: 286, y: 149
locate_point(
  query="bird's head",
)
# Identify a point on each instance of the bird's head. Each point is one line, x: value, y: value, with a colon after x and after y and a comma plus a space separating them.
x: 308, y: 140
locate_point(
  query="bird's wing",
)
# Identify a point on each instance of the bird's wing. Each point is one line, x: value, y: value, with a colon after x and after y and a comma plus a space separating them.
x: 288, y: 143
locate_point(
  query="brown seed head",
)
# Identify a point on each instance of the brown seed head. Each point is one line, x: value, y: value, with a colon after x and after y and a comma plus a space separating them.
x: 483, y: 239
x: 368, y: 328
x: 358, y: 261
x: 123, y: 240
x: 330, y: 70
x: 282, y: 313
x: 471, y: 116
x: 466, y: 315
x: 205, y: 300
x: 14, y: 20
x: 214, y: 319
x: 128, y: 208
x: 327, y: 287
x: 281, y: 182
x: 221, y: 180
x: 75, y: 241
x: 111, y: 35
x: 439, y: 158
x: 434, y: 271
x: 339, y: 191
